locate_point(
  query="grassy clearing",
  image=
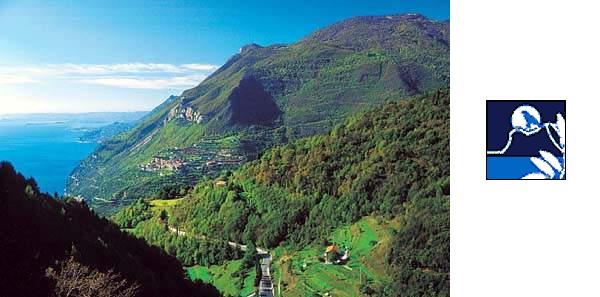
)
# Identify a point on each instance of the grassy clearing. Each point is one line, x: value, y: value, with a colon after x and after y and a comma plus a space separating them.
x: 158, y: 205
x: 360, y: 237
x: 221, y: 276
x: 164, y: 203
x: 200, y: 273
x: 302, y: 274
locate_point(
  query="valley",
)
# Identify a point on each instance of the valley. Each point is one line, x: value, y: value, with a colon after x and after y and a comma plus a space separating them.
x: 315, y: 168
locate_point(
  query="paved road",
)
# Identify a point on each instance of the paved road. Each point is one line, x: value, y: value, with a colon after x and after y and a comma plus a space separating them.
x: 265, y: 288
x: 232, y: 244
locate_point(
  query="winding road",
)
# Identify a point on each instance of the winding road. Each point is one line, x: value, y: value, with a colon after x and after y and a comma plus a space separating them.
x: 232, y: 244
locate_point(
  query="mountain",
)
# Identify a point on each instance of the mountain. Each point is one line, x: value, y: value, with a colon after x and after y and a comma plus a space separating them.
x: 159, y: 107
x: 55, y: 247
x: 105, y: 132
x: 75, y: 120
x: 264, y: 96
x: 377, y: 184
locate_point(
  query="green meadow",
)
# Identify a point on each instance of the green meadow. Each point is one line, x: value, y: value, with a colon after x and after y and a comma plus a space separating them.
x: 224, y: 279
x: 301, y: 273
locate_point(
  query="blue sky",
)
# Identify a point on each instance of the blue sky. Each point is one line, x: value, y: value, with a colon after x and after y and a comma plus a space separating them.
x: 75, y: 56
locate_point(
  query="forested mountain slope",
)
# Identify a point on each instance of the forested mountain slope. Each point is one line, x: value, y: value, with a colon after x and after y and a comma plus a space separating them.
x: 392, y: 162
x: 53, y: 247
x: 268, y: 95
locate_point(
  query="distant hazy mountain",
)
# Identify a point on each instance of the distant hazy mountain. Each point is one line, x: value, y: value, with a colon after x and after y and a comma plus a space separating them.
x: 75, y: 120
x: 124, y: 122
x: 104, y: 133
x: 268, y: 95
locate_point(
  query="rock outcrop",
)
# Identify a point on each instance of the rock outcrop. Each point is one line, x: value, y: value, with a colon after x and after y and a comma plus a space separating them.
x: 186, y: 113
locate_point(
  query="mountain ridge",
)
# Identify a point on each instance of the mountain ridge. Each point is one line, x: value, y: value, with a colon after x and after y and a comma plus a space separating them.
x: 265, y: 95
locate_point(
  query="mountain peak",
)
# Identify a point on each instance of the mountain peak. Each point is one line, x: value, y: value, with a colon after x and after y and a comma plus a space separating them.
x: 366, y: 31
x: 248, y: 47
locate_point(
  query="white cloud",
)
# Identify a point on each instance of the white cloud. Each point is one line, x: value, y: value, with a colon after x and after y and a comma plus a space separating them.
x: 203, y: 67
x: 103, y: 69
x: 128, y: 75
x: 15, y: 79
x: 147, y: 83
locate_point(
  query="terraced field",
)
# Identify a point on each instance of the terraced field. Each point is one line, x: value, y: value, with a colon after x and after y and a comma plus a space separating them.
x: 302, y: 273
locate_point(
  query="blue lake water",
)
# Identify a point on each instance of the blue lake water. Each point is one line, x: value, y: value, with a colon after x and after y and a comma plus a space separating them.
x: 48, y: 152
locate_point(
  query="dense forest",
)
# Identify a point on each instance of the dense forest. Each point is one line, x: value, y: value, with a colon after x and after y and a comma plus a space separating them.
x: 392, y: 161
x: 143, y: 222
x: 55, y: 247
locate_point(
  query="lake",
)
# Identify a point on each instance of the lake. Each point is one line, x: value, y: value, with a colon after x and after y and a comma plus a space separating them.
x: 48, y: 148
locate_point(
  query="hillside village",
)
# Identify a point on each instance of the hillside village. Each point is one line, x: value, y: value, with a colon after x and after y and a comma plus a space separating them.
x: 199, y: 157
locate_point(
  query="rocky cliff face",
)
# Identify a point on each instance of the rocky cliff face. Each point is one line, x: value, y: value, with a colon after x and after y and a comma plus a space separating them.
x: 187, y: 114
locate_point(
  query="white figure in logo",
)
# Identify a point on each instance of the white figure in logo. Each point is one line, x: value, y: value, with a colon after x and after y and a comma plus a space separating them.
x: 527, y: 121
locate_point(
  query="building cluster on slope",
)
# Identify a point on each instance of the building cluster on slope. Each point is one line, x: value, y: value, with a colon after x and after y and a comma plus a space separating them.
x: 225, y: 157
x: 194, y: 158
x: 159, y: 163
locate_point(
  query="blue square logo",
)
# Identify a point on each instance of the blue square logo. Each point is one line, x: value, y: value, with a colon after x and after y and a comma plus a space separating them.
x: 525, y: 139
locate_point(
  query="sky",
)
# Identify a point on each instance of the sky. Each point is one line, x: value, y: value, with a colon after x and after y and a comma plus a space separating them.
x: 86, y: 56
